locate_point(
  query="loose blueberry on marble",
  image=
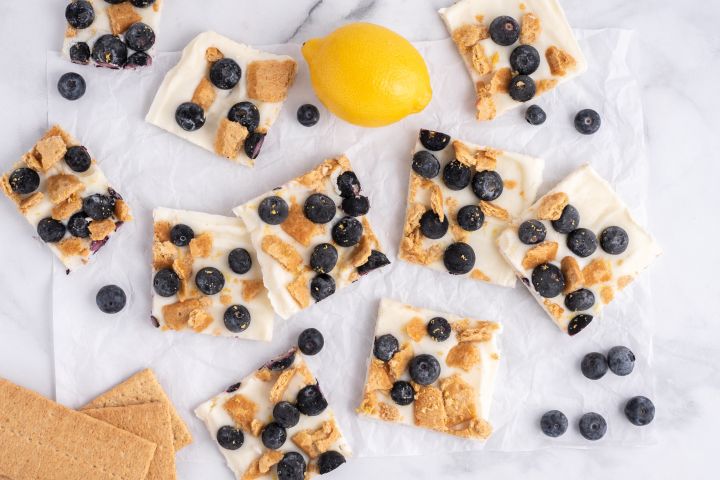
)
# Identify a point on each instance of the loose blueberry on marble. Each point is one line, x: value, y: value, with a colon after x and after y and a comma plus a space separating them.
x: 50, y: 230
x: 190, y: 116
x: 640, y: 411
x: 432, y: 227
x: 109, y: 51
x: 402, y: 393
x: 374, y: 261
x: 580, y: 300
x: 535, y: 115
x: 621, y: 360
x: 99, y: 206
x: 319, y: 208
x: 239, y: 260
x: 424, y: 369
x: 531, y: 232
x: 456, y: 175
x: 329, y: 461
x: 310, y: 341
x: 308, y: 115
x: 425, y: 164
x: 487, y: 185
x: 71, y: 86
x: 594, y: 365
x: 273, y: 436
x: 356, y: 206
x: 568, y: 221
x: 209, y: 280
x: 470, y: 218
x: 322, y: 286
x: 548, y: 280
x: 525, y: 59
x: 522, y: 88
x: 286, y: 414
x: 592, y: 426
x: 587, y: 121
x: 553, y: 423
x: 253, y: 144
x: 614, y: 240
x: 582, y: 242
x: 504, y: 30
x: 246, y: 114
x: 273, y: 210
x: 434, y: 141
x: 166, y: 282
x: 230, y: 438
x: 310, y: 401
x: 181, y: 235
x: 348, y: 184
x: 24, y: 180
x: 439, y: 329
x: 138, y: 59
x: 578, y: 323
x: 459, y: 258
x: 80, y: 14
x: 236, y: 318
x: 140, y: 37
x: 385, y: 347
x: 78, y: 158
x: 291, y: 467
x: 225, y: 73
x: 347, y: 231
x: 80, y: 53
x: 78, y: 224
x: 110, y: 299
x: 323, y: 258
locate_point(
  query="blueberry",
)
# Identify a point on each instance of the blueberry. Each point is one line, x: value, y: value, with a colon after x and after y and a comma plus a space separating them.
x: 374, y: 261
x: 190, y: 116
x: 142, y: 3
x: 291, y: 467
x: 246, y: 114
x: 109, y: 51
x: 308, y: 115
x: 385, y: 347
x: 138, y: 59
x: 273, y: 210
x: 80, y: 14
x: 253, y: 144
x: 594, y: 365
x: 579, y: 300
x: 640, y: 411
x: 578, y: 323
x: 554, y: 423
x: 531, y: 232
x: 140, y: 37
x: 230, y: 438
x: 311, y: 341
x: 522, y: 88
x: 78, y: 158
x: 504, y: 30
x: 456, y: 175
x: 487, y: 185
x: 525, y: 59
x: 115, y: 2
x: 432, y: 227
x: 459, y: 258
x: 348, y: 184
x: 236, y: 318
x: 470, y: 218
x: 621, y: 360
x: 239, y: 261
x: 166, y: 282
x: 77, y: 225
x: 225, y: 73
x: 356, y: 206
x: 402, y: 393
x: 434, y: 141
x: 110, y: 299
x: 319, y: 208
x: 71, y: 86
x: 614, y: 240
x: 593, y: 426
x: 286, y: 414
x: 282, y: 362
x: 234, y: 387
x: 439, y: 329
x: 80, y: 53
x: 425, y: 164
x: 548, y: 280
x: 273, y: 435
x: 181, y: 235
x: 322, y: 286
x: 347, y: 232
x: 323, y: 258
x: 310, y: 400
x: 582, y: 242
x: 209, y: 280
x: 424, y: 369
x: 329, y: 461
x: 50, y: 230
x: 587, y: 121
x: 99, y: 206
x: 24, y: 180
x: 535, y: 115
x: 568, y: 221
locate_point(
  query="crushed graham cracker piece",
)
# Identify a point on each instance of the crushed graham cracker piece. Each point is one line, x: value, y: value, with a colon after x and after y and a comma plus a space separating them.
x: 389, y: 413
x: 226, y: 297
x: 475, y: 428
x: 378, y: 377
x: 256, y: 427
x: 551, y: 206
x: 571, y: 273
x: 545, y: 84
x: 530, y: 28
x: 485, y: 103
x: 284, y: 253
x: 281, y: 384
x: 459, y: 400
x: 466, y: 36
x: 624, y: 281
x: 48, y: 152
x: 429, y: 408
x: 607, y: 294
x: 315, y: 178
x: 555, y: 310
x: 229, y: 138
x: 261, y: 466
x: 72, y: 246
x: 399, y: 362
x: 67, y: 207
x: 559, y: 60
x: 101, y: 229
x: 436, y: 201
x: 464, y: 355
x: 213, y: 54
x: 299, y: 227
x: 362, y: 252
x: 57, y: 131
x: 318, y: 441
x: 201, y: 245
x: 122, y: 210
x: 597, y: 271
x: 204, y: 95
x: 477, y: 274
x: 300, y: 290
x: 242, y: 410
x: 251, y: 289
x: 479, y: 61
x: 541, y: 253
x: 459, y: 234
x: 187, y: 290
x: 122, y: 15
x: 164, y: 254
x: 486, y: 159
x: 70, y: 32
x: 62, y: 186
x: 182, y: 265
x: 199, y: 320
x: 416, y: 329
x: 464, y: 154
x: 7, y: 189
x: 264, y: 374
x: 30, y: 201
x: 269, y: 80
x: 500, y: 80
x: 176, y: 315
x: 161, y: 231
x: 493, y: 210
x: 480, y: 331
x: 369, y: 404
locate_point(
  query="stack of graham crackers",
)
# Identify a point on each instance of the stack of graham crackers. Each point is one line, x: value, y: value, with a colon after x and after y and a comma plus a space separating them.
x: 130, y: 432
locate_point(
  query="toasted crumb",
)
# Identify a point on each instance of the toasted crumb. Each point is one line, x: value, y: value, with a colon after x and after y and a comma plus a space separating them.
x: 559, y: 60
x: 545, y: 84
x: 607, y: 294
x: 242, y: 410
x: 436, y: 201
x: 572, y: 274
x: 164, y: 254
x: 597, y: 271
x: 429, y: 408
x: 251, y: 289
x: 481, y: 159
x: 555, y: 310
x: 539, y: 254
x: 264, y: 374
x: 161, y: 231
x: 361, y: 253
x: 67, y: 207
x: 30, y: 201
x: 480, y: 331
x: 281, y: 384
x: 199, y: 320
x: 204, y: 94
x: 48, y: 152
x: 485, y: 105
x: 299, y: 227
x: 201, y: 246
x: 72, y: 246
x: 226, y: 297
x: 300, y: 290
x: 62, y: 186
x: 269, y: 80
x: 411, y: 247
x: 177, y: 315
x: 466, y: 36
x: 479, y: 61
x: 318, y: 441
x: 416, y: 328
x: 477, y: 274
x: 262, y: 465
x: 122, y: 211
x: 493, y: 210
x: 230, y: 138
x: 500, y: 80
x: 624, y: 281
x: 464, y: 355
x: 369, y: 404
x: 318, y: 176
x: 182, y: 265
x: 122, y: 15
x: 378, y: 377
x: 530, y: 28
x: 552, y: 205
x: 101, y: 229
x: 213, y: 54
x: 475, y: 428
x: 399, y: 362
x: 70, y: 32
x: 459, y: 234
x: 459, y: 400
x: 284, y: 253
x: 387, y: 412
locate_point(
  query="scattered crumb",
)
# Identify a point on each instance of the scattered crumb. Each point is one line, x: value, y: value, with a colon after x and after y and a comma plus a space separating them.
x: 399, y: 362
x: 67, y: 207
x: 213, y: 54
x: 299, y: 227
x: 122, y: 211
x: 378, y: 377
x: 72, y: 246
x: 555, y: 310
x: 607, y: 294
x: 492, y: 210
x: 251, y: 289
x: 479, y: 61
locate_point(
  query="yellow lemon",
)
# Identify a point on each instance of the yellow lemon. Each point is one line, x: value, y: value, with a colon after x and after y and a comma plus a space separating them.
x: 368, y: 75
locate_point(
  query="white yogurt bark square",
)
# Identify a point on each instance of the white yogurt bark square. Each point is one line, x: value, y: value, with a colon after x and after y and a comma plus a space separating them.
x: 576, y: 248
x: 223, y: 96
x: 206, y: 277
x: 276, y: 423
x: 432, y: 370
x: 63, y: 194
x: 114, y: 34
x: 537, y: 27
x: 312, y: 236
x: 461, y: 197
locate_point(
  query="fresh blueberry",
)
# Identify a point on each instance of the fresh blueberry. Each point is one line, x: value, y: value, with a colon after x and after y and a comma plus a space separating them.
x: 273, y: 210
x: 504, y: 30
x: 385, y: 347
x: 140, y: 37
x: 614, y: 240
x: 432, y: 227
x: 356, y: 206
x: 535, y: 115
x: 459, y: 258
x: 487, y: 185
x: 190, y: 116
x: 578, y: 323
x: 225, y: 73
x: 568, y: 221
x: 554, y: 423
x: 282, y: 362
x: 273, y: 435
x: 525, y: 59
x: 142, y: 3
x: 310, y: 341
x: 621, y: 360
x: 424, y: 369
x: 230, y: 438
x: 234, y: 387
x: 99, y: 206
x: 470, y: 218
x: 239, y: 261
x: 209, y: 280
x: 594, y: 365
x: 425, y: 164
x: 582, y: 242
x: 80, y: 53
x: 580, y: 300
x: 434, y: 141
x: 109, y: 51
x: 308, y: 115
x: 80, y: 14
x: 319, y: 208
x: 456, y: 175
x: 246, y: 114
x: 374, y: 261
x: 166, y: 282
x: 78, y: 158
x: 310, y: 400
x: 236, y: 318
x: 640, y: 411
x: 181, y: 235
x: 78, y: 224
x: 348, y: 184
x: 531, y: 232
x: 587, y: 121
x: 291, y: 467
x: 548, y: 280
x: 50, y: 230
x: 71, y: 86
x: 323, y: 258
x: 347, y: 232
x: 329, y: 461
x: 593, y: 426
x: 439, y: 329
x: 24, y: 180
x: 110, y: 299
x: 286, y: 414
x: 138, y: 59
x: 522, y: 88
x: 322, y: 286
x: 402, y: 393
x: 253, y: 144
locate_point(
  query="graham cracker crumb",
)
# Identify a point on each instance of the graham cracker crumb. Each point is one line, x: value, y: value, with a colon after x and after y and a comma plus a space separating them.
x: 479, y: 61
x: 264, y: 374
x: 539, y: 254
x: 226, y: 297
x: 318, y: 176
x: 251, y: 289
x: 262, y: 465
x: 204, y: 95
x: 299, y: 227
x: 281, y: 384
x: 551, y: 206
x: 530, y: 28
x: 555, y: 310
x: 399, y: 362
x: 510, y: 184
x: 607, y: 294
x: 201, y: 245
x: 559, y: 60
x: 475, y: 428
x: 459, y: 234
x: 318, y: 441
x: 71, y: 246
x: 30, y: 201
x: 242, y: 410
x: 67, y: 207
x: 485, y: 103
x: 411, y: 247
x: 61, y: 186
x: 477, y: 274
x: 122, y: 15
x: 369, y: 404
x: 199, y: 320
x: 429, y: 408
x: 299, y: 290
x: 70, y: 32
x: 481, y: 331
x: 122, y: 210
x: 176, y: 315
x: 48, y: 152
x: 492, y: 210
x: 597, y: 271
x: 213, y: 54
x: 100, y: 229
x: 500, y: 80
x: 269, y: 80
x: 378, y: 377
x: 284, y: 253
x: 182, y: 264
x: 164, y: 254
x: 546, y: 84
x: 387, y: 412
x: 362, y: 252
x: 230, y: 138
x: 436, y: 201
x: 466, y: 36
x: 161, y: 231
x: 416, y: 328
x: 572, y: 274
x: 459, y: 400
x: 624, y: 281
x: 464, y: 355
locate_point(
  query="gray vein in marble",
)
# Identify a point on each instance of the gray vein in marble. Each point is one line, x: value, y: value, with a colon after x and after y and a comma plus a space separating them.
x: 304, y: 22
x: 361, y: 11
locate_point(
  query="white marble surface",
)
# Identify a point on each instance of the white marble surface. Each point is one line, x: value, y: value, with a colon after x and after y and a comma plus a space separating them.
x: 677, y: 59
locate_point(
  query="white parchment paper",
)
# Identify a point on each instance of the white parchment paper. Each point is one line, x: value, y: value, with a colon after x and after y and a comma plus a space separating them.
x: 540, y: 367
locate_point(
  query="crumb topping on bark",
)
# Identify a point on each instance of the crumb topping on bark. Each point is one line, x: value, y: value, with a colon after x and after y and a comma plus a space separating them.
x: 551, y: 206
x: 269, y: 80
x: 541, y: 253
x: 559, y: 60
